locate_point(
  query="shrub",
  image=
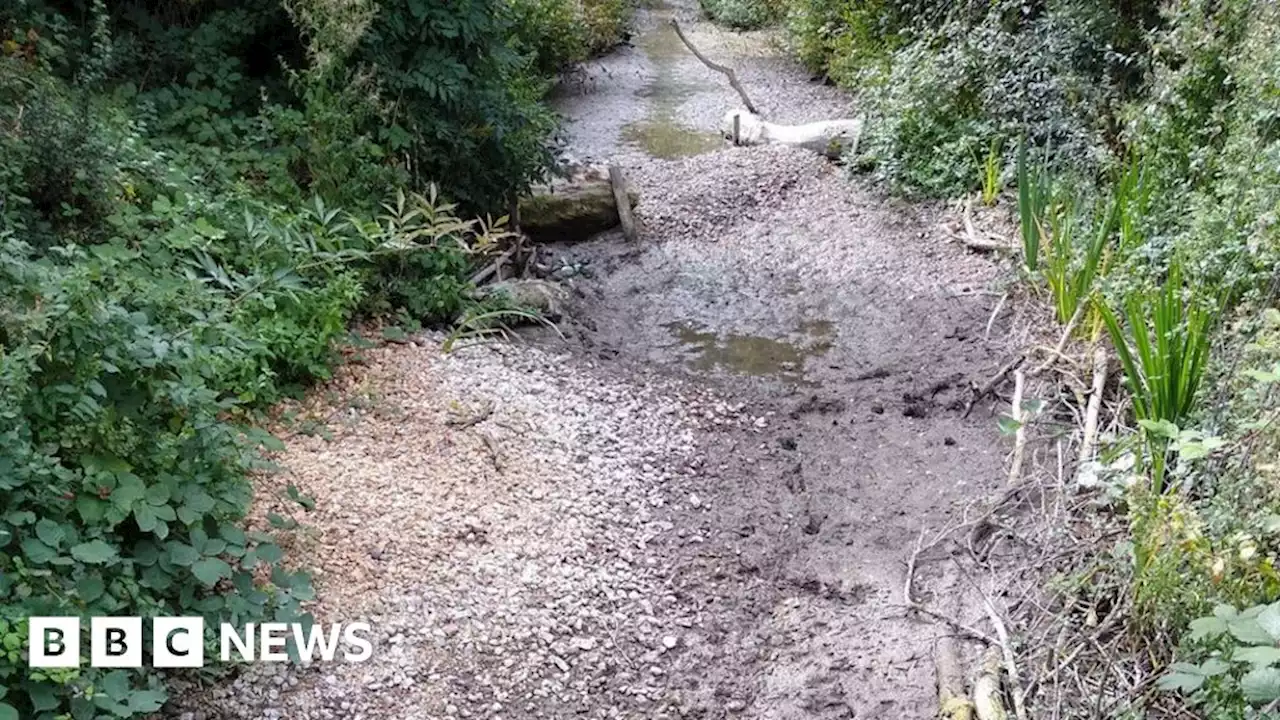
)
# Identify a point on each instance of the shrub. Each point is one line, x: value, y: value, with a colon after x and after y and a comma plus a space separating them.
x: 467, y: 104
x: 744, y: 14
x: 124, y: 483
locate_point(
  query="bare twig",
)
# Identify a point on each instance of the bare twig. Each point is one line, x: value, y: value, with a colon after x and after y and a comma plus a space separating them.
x: 1062, y: 341
x: 1020, y: 434
x: 913, y: 604
x: 494, y: 267
x: 733, y: 79
x: 1010, y: 663
x: 994, y: 314
x: 995, y: 380
x: 1095, y: 403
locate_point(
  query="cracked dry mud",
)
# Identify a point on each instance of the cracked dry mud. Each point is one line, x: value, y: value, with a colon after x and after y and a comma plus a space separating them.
x: 700, y: 505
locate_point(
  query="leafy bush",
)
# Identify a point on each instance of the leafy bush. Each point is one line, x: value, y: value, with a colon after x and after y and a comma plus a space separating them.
x: 743, y: 14
x: 124, y: 483
x: 466, y: 102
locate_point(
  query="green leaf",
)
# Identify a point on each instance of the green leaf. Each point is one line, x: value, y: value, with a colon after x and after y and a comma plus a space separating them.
x: 42, y: 696
x: 1257, y: 655
x: 1261, y: 684
x: 94, y: 552
x: 1207, y: 627
x: 269, y: 553
x: 90, y: 587
x: 210, y: 570
x: 1214, y: 666
x: 146, y: 701
x: 50, y: 532
x: 1182, y: 677
x: 145, y: 517
x: 182, y: 554
x: 37, y: 552
x: 7, y: 712
x: 1247, y: 630
x: 1269, y: 620
x: 116, y: 685
x: 1007, y: 425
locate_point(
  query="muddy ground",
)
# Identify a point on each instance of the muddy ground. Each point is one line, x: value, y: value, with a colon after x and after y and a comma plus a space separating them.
x: 701, y: 502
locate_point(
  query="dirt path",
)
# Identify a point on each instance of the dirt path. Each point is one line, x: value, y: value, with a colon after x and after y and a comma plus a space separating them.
x: 703, y: 504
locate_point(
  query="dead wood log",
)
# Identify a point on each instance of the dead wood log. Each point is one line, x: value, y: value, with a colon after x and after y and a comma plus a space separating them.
x: 986, y: 689
x: 727, y: 72
x: 573, y: 210
x: 831, y: 138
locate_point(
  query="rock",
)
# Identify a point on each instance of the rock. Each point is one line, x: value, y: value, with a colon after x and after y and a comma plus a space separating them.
x: 570, y: 211
x: 670, y: 641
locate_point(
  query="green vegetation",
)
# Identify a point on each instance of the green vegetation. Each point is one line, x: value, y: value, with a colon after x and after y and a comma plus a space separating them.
x: 744, y: 14
x: 196, y: 201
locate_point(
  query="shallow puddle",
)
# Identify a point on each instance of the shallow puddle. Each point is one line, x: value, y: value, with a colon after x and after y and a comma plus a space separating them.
x: 754, y: 355
x: 661, y: 134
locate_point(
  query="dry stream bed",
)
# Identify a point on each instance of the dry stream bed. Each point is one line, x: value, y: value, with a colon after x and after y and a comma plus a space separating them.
x: 702, y: 503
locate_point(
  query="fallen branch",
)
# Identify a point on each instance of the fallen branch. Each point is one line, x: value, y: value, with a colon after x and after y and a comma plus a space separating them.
x: 1062, y: 341
x: 995, y: 380
x: 492, y: 268
x: 733, y: 79
x: 1010, y: 664
x: 994, y: 314
x: 1095, y: 404
x: 986, y: 689
x: 625, y: 217
x: 971, y: 239
x: 913, y: 604
x: 1020, y: 434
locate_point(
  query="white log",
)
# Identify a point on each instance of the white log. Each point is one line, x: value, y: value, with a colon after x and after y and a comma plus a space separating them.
x: 832, y: 138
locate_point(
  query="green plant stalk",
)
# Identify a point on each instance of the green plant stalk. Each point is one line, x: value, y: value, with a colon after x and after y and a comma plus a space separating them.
x: 1163, y: 357
x: 1033, y: 196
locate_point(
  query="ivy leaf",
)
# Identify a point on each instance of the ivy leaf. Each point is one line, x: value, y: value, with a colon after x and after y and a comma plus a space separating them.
x: 94, y: 552
x: 210, y: 570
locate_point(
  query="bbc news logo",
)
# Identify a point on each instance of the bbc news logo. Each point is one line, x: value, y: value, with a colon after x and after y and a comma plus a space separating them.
x: 178, y: 642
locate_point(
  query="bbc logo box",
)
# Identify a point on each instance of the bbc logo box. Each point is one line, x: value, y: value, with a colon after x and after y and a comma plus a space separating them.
x: 116, y: 642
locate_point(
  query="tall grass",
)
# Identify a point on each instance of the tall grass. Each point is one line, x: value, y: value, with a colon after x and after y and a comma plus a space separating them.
x: 1034, y: 193
x: 991, y: 172
x: 1162, y: 341
x: 1070, y: 270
